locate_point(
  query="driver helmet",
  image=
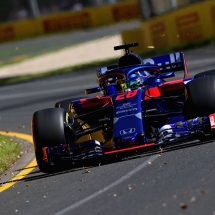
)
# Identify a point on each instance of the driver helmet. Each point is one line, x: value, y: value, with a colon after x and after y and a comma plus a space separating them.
x: 137, y: 80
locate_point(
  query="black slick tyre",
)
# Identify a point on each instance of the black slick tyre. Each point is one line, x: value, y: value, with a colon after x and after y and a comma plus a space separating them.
x: 205, y: 73
x: 200, y: 97
x: 66, y: 103
x: 49, y: 129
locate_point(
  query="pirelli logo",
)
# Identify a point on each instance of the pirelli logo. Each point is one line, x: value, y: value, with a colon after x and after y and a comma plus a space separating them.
x: 158, y: 34
x: 7, y: 34
x: 189, y: 28
x: 125, y: 12
x: 73, y: 21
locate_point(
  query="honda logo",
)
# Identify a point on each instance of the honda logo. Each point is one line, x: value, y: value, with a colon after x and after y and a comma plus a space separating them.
x: 127, y: 131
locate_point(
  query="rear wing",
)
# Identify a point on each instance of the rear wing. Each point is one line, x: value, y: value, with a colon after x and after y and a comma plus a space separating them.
x: 169, y: 63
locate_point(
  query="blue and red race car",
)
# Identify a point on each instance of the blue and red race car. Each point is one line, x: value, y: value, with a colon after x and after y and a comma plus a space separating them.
x: 138, y: 109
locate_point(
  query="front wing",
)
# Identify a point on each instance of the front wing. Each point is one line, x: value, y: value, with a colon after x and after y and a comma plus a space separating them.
x: 200, y: 127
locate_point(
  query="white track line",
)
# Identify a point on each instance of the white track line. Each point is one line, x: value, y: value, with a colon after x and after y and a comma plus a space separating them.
x: 125, y: 177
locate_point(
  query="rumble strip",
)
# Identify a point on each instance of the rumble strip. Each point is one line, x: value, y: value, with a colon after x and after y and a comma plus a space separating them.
x: 27, y: 169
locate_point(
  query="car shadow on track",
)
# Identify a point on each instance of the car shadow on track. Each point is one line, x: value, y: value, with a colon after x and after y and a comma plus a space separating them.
x: 85, y: 167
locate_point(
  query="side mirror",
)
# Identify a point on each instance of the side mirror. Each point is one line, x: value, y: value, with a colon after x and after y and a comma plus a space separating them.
x: 92, y: 90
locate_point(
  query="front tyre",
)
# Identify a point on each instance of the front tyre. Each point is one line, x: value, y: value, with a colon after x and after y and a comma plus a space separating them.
x: 205, y: 73
x: 200, y: 97
x: 50, y: 128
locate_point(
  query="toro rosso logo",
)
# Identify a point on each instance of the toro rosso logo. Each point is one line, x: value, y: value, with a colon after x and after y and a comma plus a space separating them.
x: 127, y: 131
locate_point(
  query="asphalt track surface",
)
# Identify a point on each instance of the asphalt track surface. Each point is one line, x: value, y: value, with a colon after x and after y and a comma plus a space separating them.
x: 178, y: 180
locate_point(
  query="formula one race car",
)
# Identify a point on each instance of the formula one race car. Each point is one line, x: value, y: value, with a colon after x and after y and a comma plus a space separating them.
x: 137, y: 109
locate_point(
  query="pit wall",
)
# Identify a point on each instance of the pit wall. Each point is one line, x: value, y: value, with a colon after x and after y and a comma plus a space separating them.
x: 194, y: 23
x: 67, y: 21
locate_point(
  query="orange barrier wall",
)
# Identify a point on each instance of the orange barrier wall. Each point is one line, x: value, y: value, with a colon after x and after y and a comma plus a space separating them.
x: 67, y: 21
x: 190, y: 24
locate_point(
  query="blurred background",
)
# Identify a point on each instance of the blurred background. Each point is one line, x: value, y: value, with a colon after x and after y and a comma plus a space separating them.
x: 29, y: 28
x: 11, y: 10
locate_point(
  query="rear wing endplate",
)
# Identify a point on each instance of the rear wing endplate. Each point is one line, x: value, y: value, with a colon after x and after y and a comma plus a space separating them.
x: 169, y: 63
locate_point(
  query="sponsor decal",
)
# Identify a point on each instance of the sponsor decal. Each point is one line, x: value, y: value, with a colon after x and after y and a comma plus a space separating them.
x: 127, y: 131
x: 127, y: 105
x: 212, y: 121
x: 73, y: 21
x: 189, y: 27
x: 125, y: 12
x: 127, y: 110
x: 138, y: 115
x: 7, y: 34
x: 158, y: 34
x: 165, y: 60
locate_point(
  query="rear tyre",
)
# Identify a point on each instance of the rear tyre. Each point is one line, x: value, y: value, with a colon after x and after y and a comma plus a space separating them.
x: 49, y: 129
x: 200, y: 97
x: 66, y: 103
x: 206, y: 73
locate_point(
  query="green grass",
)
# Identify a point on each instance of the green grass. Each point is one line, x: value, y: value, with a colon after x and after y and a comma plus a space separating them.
x: 9, y: 152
